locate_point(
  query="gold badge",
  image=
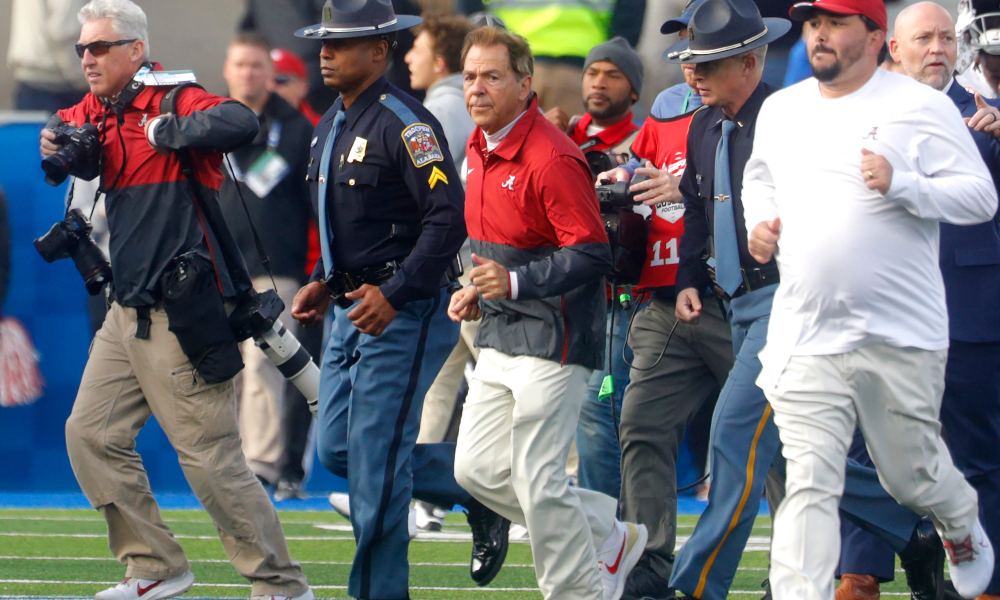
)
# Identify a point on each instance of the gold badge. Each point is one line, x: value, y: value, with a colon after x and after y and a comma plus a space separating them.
x: 358, y: 150
x: 436, y: 176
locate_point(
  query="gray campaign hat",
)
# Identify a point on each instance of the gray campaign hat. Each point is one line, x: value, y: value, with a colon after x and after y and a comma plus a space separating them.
x: 618, y: 52
x: 357, y: 18
x: 722, y: 28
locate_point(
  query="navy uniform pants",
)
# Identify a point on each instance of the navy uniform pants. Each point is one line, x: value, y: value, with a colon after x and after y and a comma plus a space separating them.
x: 744, y: 445
x: 371, y: 394
x: 970, y: 415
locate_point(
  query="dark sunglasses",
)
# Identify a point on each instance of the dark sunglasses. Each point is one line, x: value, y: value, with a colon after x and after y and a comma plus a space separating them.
x: 100, y: 48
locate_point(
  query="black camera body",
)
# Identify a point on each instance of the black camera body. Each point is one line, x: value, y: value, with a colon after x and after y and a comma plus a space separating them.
x: 255, y: 314
x: 627, y: 230
x: 71, y: 239
x: 79, y: 156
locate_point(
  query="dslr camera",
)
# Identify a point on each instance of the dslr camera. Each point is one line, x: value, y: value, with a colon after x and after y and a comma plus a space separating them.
x: 627, y: 230
x: 71, y: 239
x: 80, y: 154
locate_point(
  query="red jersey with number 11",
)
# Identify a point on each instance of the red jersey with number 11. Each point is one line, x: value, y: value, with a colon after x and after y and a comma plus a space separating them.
x: 664, y: 143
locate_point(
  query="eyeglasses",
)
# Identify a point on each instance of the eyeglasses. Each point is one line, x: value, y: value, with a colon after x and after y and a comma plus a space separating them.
x: 100, y: 48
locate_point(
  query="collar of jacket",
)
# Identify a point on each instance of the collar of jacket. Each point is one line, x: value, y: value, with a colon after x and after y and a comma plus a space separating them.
x: 511, y: 145
x: 370, y: 96
x: 446, y: 85
x: 748, y: 112
x: 611, y: 136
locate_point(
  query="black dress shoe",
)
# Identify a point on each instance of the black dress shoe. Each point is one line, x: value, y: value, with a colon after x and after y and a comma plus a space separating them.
x: 766, y: 584
x: 489, y: 542
x: 644, y: 582
x: 923, y: 562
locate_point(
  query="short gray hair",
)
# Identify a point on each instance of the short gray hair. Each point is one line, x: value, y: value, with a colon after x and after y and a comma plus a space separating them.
x: 759, y: 53
x: 127, y: 19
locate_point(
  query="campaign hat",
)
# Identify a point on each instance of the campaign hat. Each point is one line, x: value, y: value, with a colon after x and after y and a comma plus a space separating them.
x: 681, y: 22
x: 357, y: 18
x: 722, y: 28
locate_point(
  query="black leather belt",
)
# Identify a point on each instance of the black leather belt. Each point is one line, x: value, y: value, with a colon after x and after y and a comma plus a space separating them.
x: 343, y: 282
x: 753, y: 279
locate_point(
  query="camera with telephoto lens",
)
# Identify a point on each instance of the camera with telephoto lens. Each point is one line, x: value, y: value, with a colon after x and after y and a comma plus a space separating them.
x: 79, y: 156
x: 71, y: 239
x: 627, y: 230
x: 256, y: 316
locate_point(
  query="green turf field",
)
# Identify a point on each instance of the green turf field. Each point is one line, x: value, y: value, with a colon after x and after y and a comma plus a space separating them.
x: 65, y: 553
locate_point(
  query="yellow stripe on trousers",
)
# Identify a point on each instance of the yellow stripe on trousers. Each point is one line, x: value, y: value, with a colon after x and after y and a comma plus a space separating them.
x: 743, y: 501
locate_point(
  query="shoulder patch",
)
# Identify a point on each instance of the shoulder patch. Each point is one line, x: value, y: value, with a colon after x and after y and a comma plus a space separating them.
x: 422, y: 144
x: 402, y: 111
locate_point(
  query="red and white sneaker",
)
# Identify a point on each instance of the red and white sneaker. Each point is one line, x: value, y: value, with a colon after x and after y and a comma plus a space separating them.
x: 133, y: 588
x: 970, y: 562
x: 308, y: 595
x: 618, y: 555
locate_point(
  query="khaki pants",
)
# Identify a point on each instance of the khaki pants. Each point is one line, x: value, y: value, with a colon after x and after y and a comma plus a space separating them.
x: 261, y: 390
x: 126, y: 381
x: 440, y: 400
x: 894, y: 396
x: 517, y: 426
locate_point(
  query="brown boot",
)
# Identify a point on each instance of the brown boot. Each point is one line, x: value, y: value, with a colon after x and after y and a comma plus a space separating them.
x: 857, y: 587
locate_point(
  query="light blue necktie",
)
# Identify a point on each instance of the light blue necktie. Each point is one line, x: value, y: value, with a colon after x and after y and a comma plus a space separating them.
x: 727, y: 252
x: 324, y: 180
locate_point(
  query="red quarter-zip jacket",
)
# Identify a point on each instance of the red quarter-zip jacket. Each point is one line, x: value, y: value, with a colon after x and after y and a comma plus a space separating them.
x: 530, y: 205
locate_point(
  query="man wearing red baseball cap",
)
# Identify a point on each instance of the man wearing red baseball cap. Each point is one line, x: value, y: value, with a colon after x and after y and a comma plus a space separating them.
x: 858, y: 333
x: 292, y: 83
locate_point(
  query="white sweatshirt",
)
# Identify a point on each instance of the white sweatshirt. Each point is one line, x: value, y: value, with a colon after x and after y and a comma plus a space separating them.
x: 858, y: 267
x: 42, y: 39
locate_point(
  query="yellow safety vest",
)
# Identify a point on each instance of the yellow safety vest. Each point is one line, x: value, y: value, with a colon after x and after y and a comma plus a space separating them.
x: 556, y: 27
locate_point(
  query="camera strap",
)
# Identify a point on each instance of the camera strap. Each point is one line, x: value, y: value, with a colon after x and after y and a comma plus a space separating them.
x: 209, y: 211
x: 213, y: 212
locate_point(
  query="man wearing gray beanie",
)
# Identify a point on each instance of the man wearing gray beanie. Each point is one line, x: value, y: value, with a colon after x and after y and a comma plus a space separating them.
x: 612, y: 80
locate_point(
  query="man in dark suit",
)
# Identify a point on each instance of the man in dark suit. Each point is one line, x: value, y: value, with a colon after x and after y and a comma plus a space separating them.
x: 924, y: 45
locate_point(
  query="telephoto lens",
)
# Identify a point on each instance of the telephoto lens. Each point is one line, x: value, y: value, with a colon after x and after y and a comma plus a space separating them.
x: 292, y: 360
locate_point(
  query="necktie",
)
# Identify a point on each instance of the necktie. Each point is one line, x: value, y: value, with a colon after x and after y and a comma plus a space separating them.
x: 727, y: 252
x: 324, y: 180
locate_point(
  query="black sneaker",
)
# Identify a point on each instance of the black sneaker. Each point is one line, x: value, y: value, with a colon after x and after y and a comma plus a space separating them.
x: 644, y: 582
x: 489, y: 542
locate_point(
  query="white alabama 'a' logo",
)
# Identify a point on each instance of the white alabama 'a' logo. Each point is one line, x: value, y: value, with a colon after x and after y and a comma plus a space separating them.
x: 509, y: 184
x: 145, y: 117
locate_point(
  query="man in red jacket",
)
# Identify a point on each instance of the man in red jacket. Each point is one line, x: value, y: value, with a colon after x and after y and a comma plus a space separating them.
x: 541, y: 252
x: 137, y: 367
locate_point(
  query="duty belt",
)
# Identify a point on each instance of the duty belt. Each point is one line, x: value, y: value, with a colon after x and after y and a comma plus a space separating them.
x: 344, y: 282
x: 753, y: 279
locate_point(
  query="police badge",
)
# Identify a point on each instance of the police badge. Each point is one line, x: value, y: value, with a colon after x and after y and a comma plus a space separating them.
x: 422, y: 144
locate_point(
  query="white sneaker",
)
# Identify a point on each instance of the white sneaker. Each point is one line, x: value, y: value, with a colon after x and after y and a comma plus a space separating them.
x: 517, y: 532
x: 308, y: 595
x: 618, y: 555
x: 427, y: 517
x: 133, y: 588
x: 342, y: 504
x: 970, y: 562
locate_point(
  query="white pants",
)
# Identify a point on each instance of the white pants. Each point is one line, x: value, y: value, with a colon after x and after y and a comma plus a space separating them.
x: 517, y: 426
x: 261, y: 393
x: 894, y: 396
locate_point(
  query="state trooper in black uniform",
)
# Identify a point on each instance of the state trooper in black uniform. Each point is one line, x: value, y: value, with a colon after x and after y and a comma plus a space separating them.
x: 390, y: 208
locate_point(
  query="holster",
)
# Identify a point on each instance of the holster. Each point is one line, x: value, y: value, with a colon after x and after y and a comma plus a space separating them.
x: 197, y: 316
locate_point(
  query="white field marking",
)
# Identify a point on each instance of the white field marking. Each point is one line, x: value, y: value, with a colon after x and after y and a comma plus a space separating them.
x: 334, y: 563
x: 244, y: 585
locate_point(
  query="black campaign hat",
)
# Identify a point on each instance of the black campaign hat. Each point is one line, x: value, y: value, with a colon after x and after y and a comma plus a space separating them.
x: 357, y: 18
x: 722, y: 28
